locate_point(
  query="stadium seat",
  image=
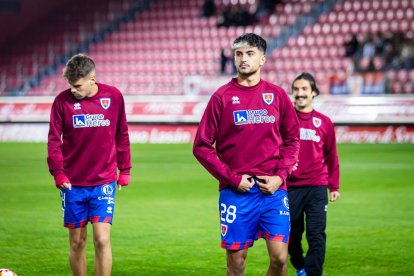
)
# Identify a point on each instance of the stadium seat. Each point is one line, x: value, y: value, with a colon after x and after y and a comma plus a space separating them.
x: 172, y: 40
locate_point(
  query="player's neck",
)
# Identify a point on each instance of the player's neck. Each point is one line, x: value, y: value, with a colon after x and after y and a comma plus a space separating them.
x: 94, y: 91
x: 249, y: 81
x: 305, y: 109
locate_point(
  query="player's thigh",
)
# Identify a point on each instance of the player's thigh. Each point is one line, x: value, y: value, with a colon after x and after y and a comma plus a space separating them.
x: 297, y: 202
x: 101, y: 233
x: 274, y: 223
x: 77, y: 237
x: 316, y: 210
x: 74, y: 207
x: 239, y: 214
x: 277, y: 250
x: 102, y: 203
x: 236, y: 258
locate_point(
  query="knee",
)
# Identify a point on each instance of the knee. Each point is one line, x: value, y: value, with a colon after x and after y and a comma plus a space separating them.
x: 236, y: 267
x: 101, y: 241
x: 78, y: 244
x: 279, y: 260
x: 236, y: 264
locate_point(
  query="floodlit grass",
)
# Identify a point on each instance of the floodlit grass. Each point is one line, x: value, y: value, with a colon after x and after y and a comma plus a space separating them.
x: 166, y: 221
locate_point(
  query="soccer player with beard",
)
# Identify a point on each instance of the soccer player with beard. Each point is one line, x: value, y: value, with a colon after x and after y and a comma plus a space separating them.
x: 248, y: 139
x: 88, y: 140
x: 317, y: 171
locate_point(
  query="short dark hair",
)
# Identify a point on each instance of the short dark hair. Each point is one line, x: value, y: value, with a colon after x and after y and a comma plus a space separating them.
x: 78, y: 66
x: 307, y: 76
x: 252, y: 40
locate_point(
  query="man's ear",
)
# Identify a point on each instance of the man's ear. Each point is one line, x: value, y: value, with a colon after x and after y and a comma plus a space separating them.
x: 262, y: 60
x: 92, y: 78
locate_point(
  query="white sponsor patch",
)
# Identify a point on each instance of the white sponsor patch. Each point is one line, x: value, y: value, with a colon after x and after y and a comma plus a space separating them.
x: 89, y: 120
x: 309, y: 135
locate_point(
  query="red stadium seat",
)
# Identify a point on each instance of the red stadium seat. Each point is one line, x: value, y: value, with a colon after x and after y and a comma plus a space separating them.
x: 171, y: 40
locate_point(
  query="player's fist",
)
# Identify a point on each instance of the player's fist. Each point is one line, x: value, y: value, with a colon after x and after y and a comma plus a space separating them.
x: 334, y: 196
x: 124, y: 178
x: 246, y: 183
x: 61, y: 181
x: 295, y: 166
x: 269, y: 184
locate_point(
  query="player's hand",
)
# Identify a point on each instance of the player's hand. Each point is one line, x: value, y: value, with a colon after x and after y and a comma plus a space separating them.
x: 295, y: 166
x: 269, y: 184
x: 62, y: 182
x: 333, y: 196
x: 246, y: 183
x: 124, y: 179
x: 65, y: 186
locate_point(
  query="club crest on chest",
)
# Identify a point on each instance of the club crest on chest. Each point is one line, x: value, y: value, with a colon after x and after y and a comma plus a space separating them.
x: 105, y: 103
x: 316, y: 122
x: 268, y: 98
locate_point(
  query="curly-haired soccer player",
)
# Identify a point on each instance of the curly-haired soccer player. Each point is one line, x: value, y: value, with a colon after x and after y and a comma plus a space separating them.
x: 248, y: 139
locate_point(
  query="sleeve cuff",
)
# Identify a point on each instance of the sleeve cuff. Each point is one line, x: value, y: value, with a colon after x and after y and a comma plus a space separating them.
x: 60, y: 178
x: 235, y: 182
x: 125, y: 172
x: 283, y: 174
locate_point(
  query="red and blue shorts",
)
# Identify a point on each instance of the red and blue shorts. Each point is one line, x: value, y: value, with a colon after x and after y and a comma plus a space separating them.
x: 83, y: 204
x: 246, y: 217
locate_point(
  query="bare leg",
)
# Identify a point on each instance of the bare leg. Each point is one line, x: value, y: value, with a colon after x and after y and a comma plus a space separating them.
x: 278, y: 253
x: 236, y: 262
x: 103, y: 252
x: 77, y: 256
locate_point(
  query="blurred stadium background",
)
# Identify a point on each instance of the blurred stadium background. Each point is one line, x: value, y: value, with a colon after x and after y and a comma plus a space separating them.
x: 167, y: 57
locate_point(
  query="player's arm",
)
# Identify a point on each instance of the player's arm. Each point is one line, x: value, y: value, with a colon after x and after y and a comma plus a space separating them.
x: 203, y: 148
x: 289, y: 131
x: 54, y: 147
x: 332, y: 161
x: 123, y: 148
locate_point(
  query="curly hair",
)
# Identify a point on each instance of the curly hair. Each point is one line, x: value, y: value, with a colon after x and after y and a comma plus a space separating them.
x: 250, y: 39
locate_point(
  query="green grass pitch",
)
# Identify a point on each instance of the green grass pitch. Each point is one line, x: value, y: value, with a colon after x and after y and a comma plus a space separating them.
x: 166, y: 221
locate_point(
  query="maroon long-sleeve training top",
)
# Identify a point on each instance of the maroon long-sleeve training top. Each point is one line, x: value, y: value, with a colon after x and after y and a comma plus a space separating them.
x: 318, y: 158
x: 88, y: 139
x: 248, y: 130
